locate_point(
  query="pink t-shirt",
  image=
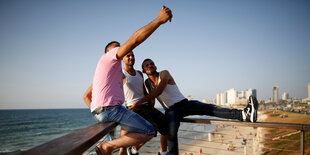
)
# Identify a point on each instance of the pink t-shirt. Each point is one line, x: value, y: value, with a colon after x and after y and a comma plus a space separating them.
x: 108, y: 82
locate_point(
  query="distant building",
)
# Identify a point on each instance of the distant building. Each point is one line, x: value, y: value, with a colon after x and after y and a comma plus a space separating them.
x: 241, y: 94
x: 285, y: 96
x: 233, y: 97
x: 209, y: 101
x: 218, y: 99
x: 250, y: 92
x: 270, y: 100
x: 189, y: 97
x: 223, y: 98
x: 276, y: 94
x: 307, y: 100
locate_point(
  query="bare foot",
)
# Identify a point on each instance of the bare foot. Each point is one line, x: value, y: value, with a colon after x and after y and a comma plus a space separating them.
x: 105, y: 148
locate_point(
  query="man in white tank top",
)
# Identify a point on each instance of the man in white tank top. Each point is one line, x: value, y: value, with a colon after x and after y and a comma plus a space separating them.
x: 162, y: 86
x: 134, y: 90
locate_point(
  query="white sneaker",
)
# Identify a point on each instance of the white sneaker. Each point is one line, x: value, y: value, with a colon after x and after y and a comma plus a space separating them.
x: 130, y: 152
x: 249, y: 113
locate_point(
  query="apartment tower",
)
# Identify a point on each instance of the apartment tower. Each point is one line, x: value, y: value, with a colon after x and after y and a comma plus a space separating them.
x: 276, y: 94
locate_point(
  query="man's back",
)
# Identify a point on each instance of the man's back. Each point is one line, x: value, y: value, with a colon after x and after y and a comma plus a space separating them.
x: 107, y: 84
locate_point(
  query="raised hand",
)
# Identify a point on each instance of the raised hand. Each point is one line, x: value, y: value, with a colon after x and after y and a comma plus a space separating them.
x: 165, y: 14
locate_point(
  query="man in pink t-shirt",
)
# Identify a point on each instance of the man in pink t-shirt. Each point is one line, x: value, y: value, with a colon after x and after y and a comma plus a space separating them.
x: 105, y: 96
x: 107, y: 84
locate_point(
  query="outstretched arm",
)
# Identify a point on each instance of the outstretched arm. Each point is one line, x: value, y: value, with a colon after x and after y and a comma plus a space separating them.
x: 87, y: 96
x: 143, y: 33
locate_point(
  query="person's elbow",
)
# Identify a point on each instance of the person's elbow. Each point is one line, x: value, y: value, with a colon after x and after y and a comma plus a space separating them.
x: 86, y: 98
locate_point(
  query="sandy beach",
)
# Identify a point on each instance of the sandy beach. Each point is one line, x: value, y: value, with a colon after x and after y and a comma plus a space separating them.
x: 199, y: 139
x: 227, y: 137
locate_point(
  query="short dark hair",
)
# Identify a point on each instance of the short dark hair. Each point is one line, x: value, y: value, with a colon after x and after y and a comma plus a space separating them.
x: 147, y: 59
x: 109, y: 44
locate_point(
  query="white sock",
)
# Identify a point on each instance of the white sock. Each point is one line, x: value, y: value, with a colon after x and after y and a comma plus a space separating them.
x: 243, y: 115
x: 133, y: 151
x: 163, y: 153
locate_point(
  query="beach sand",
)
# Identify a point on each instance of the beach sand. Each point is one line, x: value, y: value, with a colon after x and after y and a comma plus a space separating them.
x: 197, y: 141
x: 285, y: 141
x: 218, y: 142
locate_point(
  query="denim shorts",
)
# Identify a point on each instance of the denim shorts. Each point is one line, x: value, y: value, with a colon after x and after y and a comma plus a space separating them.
x: 127, y: 119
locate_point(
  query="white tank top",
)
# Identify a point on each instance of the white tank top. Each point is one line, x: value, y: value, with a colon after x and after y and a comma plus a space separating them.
x: 170, y: 95
x: 133, y: 88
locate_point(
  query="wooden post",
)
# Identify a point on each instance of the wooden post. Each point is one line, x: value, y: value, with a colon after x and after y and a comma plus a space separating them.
x: 302, y: 142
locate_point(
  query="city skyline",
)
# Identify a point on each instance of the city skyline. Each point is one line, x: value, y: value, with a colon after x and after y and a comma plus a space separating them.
x: 251, y: 91
x: 49, y: 49
x: 233, y: 96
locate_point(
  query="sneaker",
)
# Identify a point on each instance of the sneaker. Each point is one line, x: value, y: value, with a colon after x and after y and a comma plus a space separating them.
x: 249, y: 113
x: 129, y: 151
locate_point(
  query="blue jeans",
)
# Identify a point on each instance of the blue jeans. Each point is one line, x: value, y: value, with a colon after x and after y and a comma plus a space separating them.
x: 184, y: 108
x: 129, y: 120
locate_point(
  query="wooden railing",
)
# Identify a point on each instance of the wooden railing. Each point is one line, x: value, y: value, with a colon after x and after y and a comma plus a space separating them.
x: 81, y: 140
x: 73, y: 143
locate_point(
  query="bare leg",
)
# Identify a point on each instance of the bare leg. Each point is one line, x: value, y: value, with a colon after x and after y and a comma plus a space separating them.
x: 129, y: 139
x: 122, y: 150
x: 137, y: 147
x: 163, y: 143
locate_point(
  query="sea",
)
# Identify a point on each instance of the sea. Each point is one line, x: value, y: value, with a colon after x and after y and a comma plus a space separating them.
x: 21, y: 130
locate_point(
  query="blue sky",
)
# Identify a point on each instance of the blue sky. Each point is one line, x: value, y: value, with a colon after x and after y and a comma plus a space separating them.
x: 49, y: 49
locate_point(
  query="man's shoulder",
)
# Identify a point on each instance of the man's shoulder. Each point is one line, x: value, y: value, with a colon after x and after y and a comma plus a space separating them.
x: 139, y: 72
x: 164, y: 73
x: 112, y: 54
x: 147, y: 81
